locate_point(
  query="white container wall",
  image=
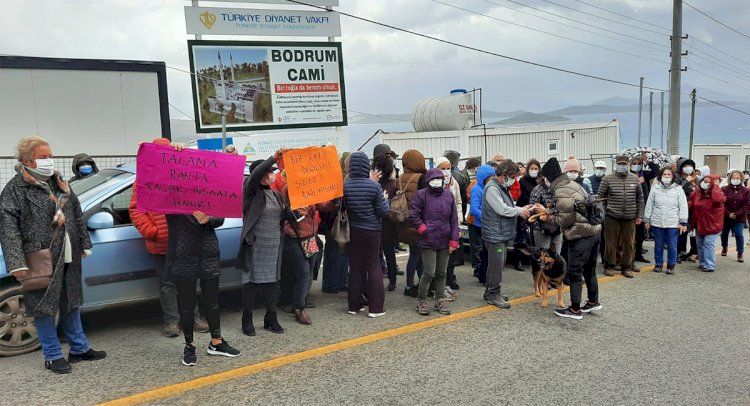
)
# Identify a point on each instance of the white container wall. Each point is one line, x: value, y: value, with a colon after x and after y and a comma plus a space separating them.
x: 517, y: 143
x: 722, y: 157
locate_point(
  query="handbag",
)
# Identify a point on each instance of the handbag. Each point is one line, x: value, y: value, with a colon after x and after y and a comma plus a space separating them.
x: 340, y: 228
x: 309, y: 246
x: 40, y: 268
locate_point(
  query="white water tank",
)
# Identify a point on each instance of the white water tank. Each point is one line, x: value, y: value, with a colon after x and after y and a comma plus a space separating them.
x: 453, y: 112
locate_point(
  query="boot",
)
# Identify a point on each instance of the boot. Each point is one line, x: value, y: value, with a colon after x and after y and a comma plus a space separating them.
x: 723, y: 251
x: 271, y: 323
x: 302, y: 317
x: 496, y: 299
x: 247, y: 324
x: 739, y: 257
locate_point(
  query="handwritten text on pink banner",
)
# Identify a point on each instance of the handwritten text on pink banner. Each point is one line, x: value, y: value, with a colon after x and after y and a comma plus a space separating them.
x: 168, y: 181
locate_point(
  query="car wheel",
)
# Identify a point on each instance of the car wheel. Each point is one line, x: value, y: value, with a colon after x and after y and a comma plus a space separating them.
x: 17, y: 330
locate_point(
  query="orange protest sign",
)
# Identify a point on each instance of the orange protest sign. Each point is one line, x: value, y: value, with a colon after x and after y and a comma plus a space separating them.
x: 313, y: 175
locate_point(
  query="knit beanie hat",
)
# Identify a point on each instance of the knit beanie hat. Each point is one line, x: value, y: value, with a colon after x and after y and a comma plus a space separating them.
x: 440, y: 161
x: 704, y: 170
x: 572, y: 164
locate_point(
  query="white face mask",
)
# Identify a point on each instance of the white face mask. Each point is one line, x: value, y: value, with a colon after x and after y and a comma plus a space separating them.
x: 572, y: 175
x: 735, y: 182
x: 436, y: 183
x: 446, y: 174
x: 533, y: 174
x: 45, y: 166
x: 705, y: 185
x: 666, y: 181
x: 687, y: 170
x: 509, y: 182
x: 747, y: 177
x: 599, y: 172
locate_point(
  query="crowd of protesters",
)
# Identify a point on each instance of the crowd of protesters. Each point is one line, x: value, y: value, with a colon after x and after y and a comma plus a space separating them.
x: 548, y: 205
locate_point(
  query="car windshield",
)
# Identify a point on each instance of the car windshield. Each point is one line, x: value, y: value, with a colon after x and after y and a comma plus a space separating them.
x: 94, y: 184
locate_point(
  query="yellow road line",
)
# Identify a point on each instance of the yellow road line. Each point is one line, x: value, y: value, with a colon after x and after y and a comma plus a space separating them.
x: 193, y: 384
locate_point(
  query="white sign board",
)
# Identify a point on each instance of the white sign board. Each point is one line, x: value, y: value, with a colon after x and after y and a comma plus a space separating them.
x: 245, y: 21
x: 267, y: 85
x: 318, y: 3
x: 263, y: 146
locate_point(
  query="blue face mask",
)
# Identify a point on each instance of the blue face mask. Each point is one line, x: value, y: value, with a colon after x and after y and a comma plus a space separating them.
x: 85, y: 169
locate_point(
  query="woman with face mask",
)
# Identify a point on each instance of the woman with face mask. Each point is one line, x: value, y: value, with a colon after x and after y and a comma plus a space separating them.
x: 40, y: 211
x: 736, y: 209
x: 435, y: 216
x: 452, y: 186
x: 261, y: 243
x: 707, y: 206
x: 666, y: 215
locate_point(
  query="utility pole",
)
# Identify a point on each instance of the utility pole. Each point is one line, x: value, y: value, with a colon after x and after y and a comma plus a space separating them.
x: 673, y: 143
x: 661, y: 122
x: 692, y: 123
x: 650, y: 117
x: 640, y: 111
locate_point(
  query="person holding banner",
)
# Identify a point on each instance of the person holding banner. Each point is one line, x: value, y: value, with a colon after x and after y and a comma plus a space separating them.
x: 261, y: 243
x: 366, y: 206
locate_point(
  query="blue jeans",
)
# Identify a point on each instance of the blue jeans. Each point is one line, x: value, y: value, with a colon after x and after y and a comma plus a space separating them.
x: 71, y: 325
x: 335, y: 266
x: 662, y: 237
x: 414, y: 264
x: 707, y: 250
x: 739, y: 236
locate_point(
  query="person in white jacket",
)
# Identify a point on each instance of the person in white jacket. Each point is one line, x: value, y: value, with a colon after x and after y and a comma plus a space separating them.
x: 452, y: 185
x: 667, y: 215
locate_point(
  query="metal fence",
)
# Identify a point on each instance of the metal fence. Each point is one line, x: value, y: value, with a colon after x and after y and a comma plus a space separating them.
x: 64, y: 164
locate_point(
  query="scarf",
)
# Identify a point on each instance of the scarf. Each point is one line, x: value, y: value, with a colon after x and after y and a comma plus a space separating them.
x: 35, y: 179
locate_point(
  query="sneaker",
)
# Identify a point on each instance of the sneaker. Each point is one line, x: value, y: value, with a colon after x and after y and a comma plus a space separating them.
x: 609, y: 272
x: 708, y: 270
x: 188, y: 356
x: 391, y: 286
x: 171, y: 330
x: 58, y: 366
x: 658, y: 268
x: 301, y: 316
x: 670, y: 270
x: 723, y: 252
x: 449, y: 294
x: 627, y: 274
x: 375, y: 315
x: 739, y: 257
x: 497, y: 300
x: 569, y: 313
x: 309, y: 304
x: 361, y: 309
x: 505, y: 297
x: 200, y: 326
x: 453, y: 285
x: 223, y: 348
x: 643, y: 259
x: 90, y: 355
x: 590, y: 307
x: 412, y: 292
x: 442, y: 307
x: 422, y: 308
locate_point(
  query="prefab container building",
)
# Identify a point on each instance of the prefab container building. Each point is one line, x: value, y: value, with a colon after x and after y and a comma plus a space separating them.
x: 588, y: 142
x: 722, y: 157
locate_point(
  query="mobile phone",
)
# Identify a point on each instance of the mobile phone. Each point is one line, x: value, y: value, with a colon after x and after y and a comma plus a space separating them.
x: 297, y: 216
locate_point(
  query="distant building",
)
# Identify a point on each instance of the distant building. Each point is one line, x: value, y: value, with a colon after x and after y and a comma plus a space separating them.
x: 240, y: 93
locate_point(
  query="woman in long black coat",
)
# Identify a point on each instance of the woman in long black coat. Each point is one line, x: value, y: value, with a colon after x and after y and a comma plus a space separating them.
x: 39, y: 211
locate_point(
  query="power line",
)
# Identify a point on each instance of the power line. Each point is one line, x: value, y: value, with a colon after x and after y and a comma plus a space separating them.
x: 714, y: 65
x: 603, y: 18
x: 579, y: 22
x: 624, y: 16
x: 724, y: 105
x: 548, y: 33
x: 715, y: 20
x: 719, y: 50
x: 713, y: 59
x: 719, y: 79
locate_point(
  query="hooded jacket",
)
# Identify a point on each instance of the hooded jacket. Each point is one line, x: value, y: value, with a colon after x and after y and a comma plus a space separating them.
x: 682, y: 162
x: 477, y: 193
x: 363, y: 197
x: 574, y: 224
x: 666, y: 206
x: 738, y: 202
x: 151, y: 225
x: 78, y: 160
x: 410, y: 181
x: 435, y: 215
x: 708, y: 208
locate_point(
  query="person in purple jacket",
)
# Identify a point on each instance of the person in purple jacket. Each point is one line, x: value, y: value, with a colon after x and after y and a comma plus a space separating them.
x: 434, y: 215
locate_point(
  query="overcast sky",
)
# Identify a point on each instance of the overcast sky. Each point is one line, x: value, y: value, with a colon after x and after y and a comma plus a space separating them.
x: 388, y: 71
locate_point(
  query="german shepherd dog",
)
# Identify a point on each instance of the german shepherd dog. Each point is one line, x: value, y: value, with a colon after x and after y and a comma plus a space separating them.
x: 548, y: 268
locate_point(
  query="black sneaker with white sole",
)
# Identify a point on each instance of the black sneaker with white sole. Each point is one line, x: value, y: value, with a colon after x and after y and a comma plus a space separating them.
x: 223, y: 348
x: 188, y: 356
x: 569, y: 313
x: 590, y: 307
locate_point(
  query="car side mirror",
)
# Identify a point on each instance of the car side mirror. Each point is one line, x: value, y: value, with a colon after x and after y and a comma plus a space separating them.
x: 101, y: 221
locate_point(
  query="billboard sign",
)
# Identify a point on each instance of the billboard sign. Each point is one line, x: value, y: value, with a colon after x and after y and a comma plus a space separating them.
x: 267, y: 85
x: 245, y: 21
x: 314, y: 3
x: 262, y: 146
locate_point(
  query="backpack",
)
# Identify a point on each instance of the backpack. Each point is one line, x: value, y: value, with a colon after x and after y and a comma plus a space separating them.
x: 399, y: 205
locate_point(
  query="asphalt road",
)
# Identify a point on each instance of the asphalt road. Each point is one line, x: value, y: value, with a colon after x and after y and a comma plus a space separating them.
x: 660, y: 339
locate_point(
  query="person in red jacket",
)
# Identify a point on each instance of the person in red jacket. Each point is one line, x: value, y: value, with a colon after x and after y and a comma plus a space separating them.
x: 735, y: 213
x: 153, y: 228
x: 707, y: 205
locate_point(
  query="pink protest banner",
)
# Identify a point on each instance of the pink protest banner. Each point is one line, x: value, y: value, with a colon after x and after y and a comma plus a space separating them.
x: 168, y: 181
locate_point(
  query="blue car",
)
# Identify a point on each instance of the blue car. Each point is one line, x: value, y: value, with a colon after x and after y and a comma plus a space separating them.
x: 119, y: 272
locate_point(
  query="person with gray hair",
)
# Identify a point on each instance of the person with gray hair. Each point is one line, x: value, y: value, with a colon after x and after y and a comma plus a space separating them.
x: 499, y: 216
x: 39, y: 211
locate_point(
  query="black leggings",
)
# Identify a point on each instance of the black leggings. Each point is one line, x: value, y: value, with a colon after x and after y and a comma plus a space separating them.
x: 186, y: 305
x: 268, y: 291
